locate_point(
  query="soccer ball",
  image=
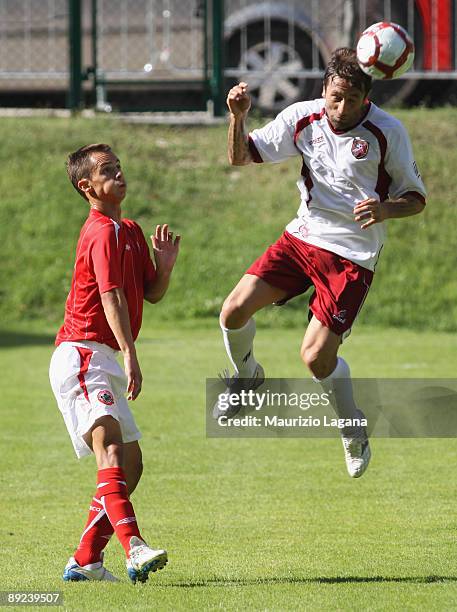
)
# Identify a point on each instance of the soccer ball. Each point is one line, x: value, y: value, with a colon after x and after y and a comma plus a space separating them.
x: 385, y: 51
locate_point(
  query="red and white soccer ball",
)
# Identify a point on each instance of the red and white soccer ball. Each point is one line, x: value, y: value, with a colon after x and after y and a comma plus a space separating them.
x: 385, y: 51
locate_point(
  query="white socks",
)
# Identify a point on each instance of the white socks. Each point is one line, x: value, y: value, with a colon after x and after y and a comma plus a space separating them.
x: 239, y: 347
x: 339, y: 387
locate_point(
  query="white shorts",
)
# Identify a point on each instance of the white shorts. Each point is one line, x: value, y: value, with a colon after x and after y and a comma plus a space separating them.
x: 89, y: 383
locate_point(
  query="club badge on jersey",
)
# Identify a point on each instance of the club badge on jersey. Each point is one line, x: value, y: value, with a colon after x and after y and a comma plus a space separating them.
x: 359, y: 148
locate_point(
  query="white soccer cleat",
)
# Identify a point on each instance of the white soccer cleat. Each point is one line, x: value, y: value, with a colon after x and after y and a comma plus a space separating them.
x: 94, y: 571
x: 235, y: 385
x: 356, y: 451
x: 142, y: 560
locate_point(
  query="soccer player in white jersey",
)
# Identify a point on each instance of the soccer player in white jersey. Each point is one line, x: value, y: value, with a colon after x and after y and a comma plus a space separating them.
x: 357, y: 172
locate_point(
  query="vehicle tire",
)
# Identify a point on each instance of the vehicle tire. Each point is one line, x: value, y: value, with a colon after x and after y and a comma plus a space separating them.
x: 270, y: 90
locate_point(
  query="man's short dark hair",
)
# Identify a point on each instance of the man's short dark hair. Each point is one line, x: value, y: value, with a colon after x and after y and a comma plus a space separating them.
x: 343, y: 64
x: 80, y: 164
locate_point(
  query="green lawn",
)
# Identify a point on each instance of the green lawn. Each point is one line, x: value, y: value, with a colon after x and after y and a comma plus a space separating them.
x: 253, y: 524
x: 268, y: 524
x: 226, y: 215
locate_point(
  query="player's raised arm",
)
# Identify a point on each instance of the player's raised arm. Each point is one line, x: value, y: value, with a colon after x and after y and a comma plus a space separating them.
x: 165, y: 250
x: 239, y: 103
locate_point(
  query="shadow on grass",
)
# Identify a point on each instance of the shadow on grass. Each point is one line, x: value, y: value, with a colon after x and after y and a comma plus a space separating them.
x: 9, y: 339
x: 237, y: 582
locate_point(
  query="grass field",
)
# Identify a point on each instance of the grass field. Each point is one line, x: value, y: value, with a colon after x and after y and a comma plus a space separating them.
x: 249, y: 524
x: 227, y: 216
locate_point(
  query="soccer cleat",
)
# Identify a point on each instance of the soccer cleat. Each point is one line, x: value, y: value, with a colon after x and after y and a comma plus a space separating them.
x: 94, y: 571
x: 236, y: 385
x: 357, y: 451
x: 142, y: 560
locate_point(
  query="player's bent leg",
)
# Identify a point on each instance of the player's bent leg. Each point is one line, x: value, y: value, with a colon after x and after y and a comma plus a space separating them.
x: 319, y: 353
x: 238, y: 327
x: 319, y: 349
x: 96, y: 535
x: 238, y: 331
x: 98, y: 529
x: 106, y: 425
x: 113, y: 494
x: 87, y: 562
x: 250, y: 295
x: 142, y: 559
x: 111, y: 505
x: 105, y: 440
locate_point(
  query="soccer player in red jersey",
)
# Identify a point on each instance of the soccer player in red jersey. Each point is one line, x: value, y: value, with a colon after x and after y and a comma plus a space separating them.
x: 357, y: 171
x: 112, y: 276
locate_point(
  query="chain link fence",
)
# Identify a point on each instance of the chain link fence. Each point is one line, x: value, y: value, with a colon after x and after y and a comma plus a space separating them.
x: 33, y: 44
x: 160, y: 37
x: 168, y: 53
x: 147, y: 46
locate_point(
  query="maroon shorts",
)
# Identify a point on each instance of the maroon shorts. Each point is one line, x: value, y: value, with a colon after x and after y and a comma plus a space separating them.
x: 341, y: 286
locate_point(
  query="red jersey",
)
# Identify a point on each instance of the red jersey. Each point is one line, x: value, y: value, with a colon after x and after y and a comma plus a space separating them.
x: 108, y: 256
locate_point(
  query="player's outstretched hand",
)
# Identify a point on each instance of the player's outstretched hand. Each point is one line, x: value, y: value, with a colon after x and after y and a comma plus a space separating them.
x: 368, y: 212
x: 238, y: 100
x: 134, y: 376
x: 165, y: 248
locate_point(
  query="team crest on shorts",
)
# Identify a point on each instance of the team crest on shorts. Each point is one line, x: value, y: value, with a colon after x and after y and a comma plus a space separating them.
x: 359, y: 148
x: 105, y: 397
x: 303, y: 229
x: 341, y: 316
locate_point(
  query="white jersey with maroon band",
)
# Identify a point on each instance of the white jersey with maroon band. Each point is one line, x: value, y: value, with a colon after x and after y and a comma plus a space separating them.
x: 374, y: 159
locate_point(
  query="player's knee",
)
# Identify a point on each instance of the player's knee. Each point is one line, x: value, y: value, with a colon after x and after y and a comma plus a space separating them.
x: 318, y: 362
x: 108, y: 454
x: 113, y: 455
x: 309, y: 355
x: 234, y: 313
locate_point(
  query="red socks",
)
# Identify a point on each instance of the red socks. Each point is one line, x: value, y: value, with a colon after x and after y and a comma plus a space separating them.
x: 110, y: 511
x: 96, y: 535
x: 112, y: 491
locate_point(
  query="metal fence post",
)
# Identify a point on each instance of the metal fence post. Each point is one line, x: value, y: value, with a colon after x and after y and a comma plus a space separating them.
x: 217, y: 78
x: 75, y: 34
x: 94, y: 40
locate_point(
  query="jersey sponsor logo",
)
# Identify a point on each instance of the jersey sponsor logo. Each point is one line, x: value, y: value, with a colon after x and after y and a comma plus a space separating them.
x: 317, y: 140
x: 359, y: 148
x: 105, y: 397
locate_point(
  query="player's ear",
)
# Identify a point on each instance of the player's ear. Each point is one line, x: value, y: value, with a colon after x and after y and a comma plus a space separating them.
x: 84, y: 185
